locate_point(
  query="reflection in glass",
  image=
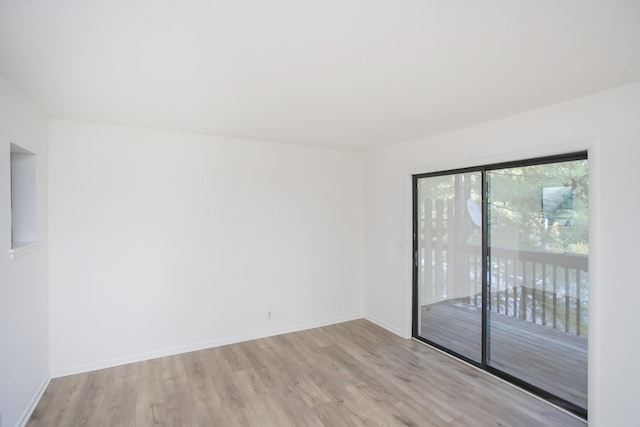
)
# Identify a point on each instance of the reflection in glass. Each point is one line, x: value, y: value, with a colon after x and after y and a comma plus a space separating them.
x: 449, y: 270
x: 538, y: 282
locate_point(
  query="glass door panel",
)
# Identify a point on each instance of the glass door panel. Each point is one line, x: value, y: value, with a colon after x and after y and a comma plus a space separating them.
x: 538, y: 294
x: 448, y: 287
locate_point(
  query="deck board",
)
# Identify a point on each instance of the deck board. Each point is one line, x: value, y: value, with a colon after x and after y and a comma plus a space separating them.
x: 550, y: 359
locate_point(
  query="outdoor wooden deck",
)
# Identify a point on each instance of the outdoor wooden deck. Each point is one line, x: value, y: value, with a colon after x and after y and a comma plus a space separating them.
x: 553, y: 360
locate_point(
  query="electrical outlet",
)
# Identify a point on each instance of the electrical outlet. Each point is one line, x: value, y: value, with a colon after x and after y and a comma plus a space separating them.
x: 272, y: 315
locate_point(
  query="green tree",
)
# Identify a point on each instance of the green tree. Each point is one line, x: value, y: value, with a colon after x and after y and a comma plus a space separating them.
x: 522, y: 203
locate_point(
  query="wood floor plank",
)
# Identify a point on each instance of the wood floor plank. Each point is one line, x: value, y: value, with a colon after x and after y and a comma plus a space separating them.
x: 123, y: 395
x: 296, y: 411
x: 99, y: 407
x: 179, y: 405
x: 172, y: 366
x: 150, y: 382
x: 349, y: 374
x: 202, y: 387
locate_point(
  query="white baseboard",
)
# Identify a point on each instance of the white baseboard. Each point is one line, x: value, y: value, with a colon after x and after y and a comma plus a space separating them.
x: 33, y: 403
x: 110, y: 363
x: 384, y: 325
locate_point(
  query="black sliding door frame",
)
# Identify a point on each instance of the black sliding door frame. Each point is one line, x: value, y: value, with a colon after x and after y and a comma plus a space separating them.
x: 486, y: 269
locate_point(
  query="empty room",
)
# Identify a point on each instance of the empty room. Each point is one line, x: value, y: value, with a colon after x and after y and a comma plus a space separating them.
x: 337, y: 213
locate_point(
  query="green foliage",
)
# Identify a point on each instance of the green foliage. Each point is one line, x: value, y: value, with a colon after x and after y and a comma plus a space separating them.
x: 517, y: 216
x: 516, y: 207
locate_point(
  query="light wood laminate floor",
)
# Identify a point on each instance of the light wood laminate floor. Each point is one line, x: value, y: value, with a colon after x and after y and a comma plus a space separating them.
x: 349, y: 374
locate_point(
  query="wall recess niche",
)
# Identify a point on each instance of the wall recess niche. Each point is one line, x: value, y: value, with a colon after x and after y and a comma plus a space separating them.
x: 23, y: 200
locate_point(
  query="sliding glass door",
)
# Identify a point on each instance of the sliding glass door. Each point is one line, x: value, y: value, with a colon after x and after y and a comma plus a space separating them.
x: 449, y: 271
x: 501, y: 271
x: 539, y: 294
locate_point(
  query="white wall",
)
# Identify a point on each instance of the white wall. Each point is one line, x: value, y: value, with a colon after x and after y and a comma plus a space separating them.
x: 608, y: 124
x: 24, y: 305
x: 165, y: 242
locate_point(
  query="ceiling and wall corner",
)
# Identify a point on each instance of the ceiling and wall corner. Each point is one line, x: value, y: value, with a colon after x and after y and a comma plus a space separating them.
x: 349, y: 74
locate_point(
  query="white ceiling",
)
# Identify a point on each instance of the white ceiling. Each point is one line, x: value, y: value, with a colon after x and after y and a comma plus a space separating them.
x: 353, y: 74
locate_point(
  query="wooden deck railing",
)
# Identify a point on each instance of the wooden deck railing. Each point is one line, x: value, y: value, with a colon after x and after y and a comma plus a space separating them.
x: 549, y: 289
